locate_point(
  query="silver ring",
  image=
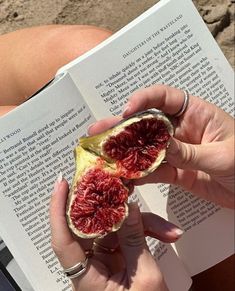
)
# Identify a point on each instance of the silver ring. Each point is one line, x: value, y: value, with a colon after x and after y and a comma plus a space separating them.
x: 76, y: 270
x: 185, y: 104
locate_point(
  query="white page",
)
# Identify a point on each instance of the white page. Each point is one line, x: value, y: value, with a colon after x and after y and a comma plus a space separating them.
x: 167, y: 44
x: 175, y: 275
x: 172, y: 268
x: 174, y: 35
x: 209, y: 229
x: 208, y: 243
x: 36, y: 143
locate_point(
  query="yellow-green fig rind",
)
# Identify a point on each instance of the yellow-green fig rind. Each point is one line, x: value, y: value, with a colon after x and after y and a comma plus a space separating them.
x: 84, y: 161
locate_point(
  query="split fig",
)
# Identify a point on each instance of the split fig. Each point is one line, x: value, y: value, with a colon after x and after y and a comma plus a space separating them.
x: 132, y: 149
x: 97, y: 200
x: 136, y: 146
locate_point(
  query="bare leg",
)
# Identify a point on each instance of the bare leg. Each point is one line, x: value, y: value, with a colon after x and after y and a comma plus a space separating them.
x: 5, y: 109
x: 30, y: 57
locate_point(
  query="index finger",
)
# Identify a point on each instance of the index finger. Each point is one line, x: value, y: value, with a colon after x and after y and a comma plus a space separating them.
x: 102, y: 125
x: 162, y: 97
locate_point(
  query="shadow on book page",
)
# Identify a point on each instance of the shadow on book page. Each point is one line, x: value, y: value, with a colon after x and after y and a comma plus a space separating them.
x: 48, y: 84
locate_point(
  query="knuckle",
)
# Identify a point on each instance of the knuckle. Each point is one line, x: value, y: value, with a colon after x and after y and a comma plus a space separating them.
x: 135, y: 239
x: 189, y: 155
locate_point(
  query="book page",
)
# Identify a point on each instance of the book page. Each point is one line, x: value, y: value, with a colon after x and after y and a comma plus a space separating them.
x: 207, y: 224
x: 176, y: 276
x: 36, y: 143
x: 169, y: 44
x: 208, y: 229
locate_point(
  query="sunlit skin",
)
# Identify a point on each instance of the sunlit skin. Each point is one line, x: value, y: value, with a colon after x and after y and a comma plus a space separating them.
x: 201, y: 160
x: 130, y: 268
x: 206, y: 169
x: 201, y: 154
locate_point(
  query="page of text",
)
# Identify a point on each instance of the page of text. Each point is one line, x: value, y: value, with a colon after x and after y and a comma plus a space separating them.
x: 170, y: 46
x: 173, y: 46
x: 208, y: 229
x: 36, y: 144
x: 167, y: 259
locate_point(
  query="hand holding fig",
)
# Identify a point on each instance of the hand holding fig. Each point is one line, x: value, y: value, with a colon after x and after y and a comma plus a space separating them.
x: 111, y: 269
x: 201, y: 156
x: 131, y: 149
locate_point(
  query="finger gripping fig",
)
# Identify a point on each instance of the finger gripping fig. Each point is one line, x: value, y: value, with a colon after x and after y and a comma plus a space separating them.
x: 132, y: 149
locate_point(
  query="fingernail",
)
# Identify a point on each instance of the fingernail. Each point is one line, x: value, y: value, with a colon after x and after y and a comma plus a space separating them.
x: 126, y: 109
x: 134, y: 214
x: 58, y: 182
x: 178, y: 231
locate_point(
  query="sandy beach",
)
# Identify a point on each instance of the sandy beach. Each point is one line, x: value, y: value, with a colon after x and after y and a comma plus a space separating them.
x: 112, y: 14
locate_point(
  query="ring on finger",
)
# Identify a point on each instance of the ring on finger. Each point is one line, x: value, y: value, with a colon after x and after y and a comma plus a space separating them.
x: 184, y: 105
x: 76, y: 270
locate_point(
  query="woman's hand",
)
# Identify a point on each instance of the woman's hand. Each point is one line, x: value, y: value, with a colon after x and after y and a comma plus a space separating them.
x: 129, y: 266
x: 201, y: 154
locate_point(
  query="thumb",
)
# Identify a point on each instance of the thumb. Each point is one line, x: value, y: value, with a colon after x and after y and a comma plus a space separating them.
x: 140, y: 265
x: 195, y: 157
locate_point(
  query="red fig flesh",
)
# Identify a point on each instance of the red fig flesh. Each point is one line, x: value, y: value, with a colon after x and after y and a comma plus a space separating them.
x: 132, y: 149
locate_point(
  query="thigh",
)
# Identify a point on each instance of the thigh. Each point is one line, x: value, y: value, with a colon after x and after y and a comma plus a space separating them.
x: 5, y: 109
x: 30, y: 57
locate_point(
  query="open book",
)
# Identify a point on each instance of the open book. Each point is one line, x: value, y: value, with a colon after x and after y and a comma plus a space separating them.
x: 168, y: 44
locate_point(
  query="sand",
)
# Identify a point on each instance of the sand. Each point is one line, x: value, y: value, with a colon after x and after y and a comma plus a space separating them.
x: 112, y: 14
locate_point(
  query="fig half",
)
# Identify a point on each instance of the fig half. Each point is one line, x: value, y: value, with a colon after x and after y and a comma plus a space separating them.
x: 97, y: 200
x: 132, y: 149
x: 136, y: 146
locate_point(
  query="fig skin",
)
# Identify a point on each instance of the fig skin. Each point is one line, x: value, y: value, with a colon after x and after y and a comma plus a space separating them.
x: 90, y: 154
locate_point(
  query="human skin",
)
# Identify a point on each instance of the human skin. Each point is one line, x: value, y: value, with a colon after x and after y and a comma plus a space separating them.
x: 30, y: 57
x: 29, y: 61
x: 200, y: 157
x: 131, y: 267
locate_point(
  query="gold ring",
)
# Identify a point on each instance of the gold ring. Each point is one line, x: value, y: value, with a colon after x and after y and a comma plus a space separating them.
x: 184, y: 105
